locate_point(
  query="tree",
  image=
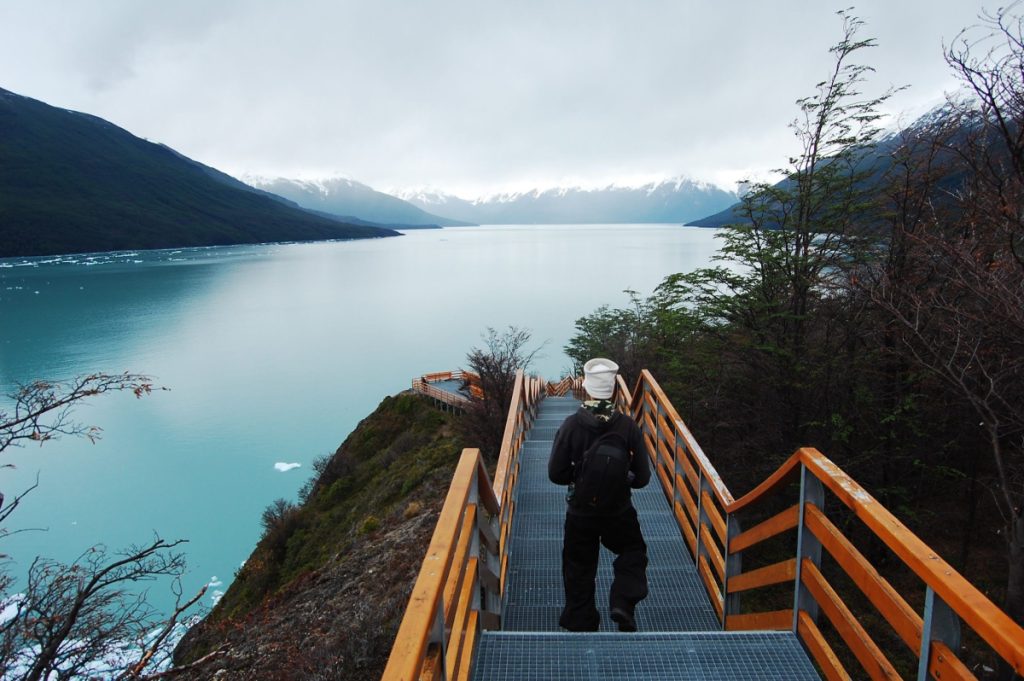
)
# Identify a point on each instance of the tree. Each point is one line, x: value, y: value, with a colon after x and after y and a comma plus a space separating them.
x: 961, y: 315
x: 495, y: 364
x: 85, y: 617
x: 625, y: 335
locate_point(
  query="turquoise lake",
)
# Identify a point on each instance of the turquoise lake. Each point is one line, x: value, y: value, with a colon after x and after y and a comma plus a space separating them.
x: 272, y: 354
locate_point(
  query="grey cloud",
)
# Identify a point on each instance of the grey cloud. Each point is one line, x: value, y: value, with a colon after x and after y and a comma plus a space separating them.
x: 471, y: 95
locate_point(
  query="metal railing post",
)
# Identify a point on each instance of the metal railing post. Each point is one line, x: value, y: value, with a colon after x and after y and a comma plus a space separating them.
x: 733, y: 566
x: 807, y: 545
x: 474, y: 542
x: 438, y: 638
x: 492, y: 599
x: 940, y: 624
x: 679, y: 473
x: 702, y: 517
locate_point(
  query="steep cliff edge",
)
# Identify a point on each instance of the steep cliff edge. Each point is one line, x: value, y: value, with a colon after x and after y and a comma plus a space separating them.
x: 323, y: 592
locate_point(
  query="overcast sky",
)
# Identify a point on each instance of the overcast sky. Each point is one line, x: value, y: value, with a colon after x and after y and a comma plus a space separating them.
x: 471, y: 96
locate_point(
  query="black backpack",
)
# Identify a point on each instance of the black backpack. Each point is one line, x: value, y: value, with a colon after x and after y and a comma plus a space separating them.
x: 601, y: 476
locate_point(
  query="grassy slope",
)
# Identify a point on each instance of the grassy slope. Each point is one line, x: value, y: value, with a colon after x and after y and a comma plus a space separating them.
x: 70, y: 183
x: 363, y: 530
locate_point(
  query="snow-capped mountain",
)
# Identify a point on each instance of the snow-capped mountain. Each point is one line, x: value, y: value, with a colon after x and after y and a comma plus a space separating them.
x: 677, y: 200
x: 345, y: 197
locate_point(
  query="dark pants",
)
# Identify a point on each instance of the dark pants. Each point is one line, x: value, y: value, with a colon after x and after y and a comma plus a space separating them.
x: 584, y: 535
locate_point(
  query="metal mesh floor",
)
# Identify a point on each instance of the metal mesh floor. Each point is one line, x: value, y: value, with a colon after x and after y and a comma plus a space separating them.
x: 534, y: 594
x: 720, y: 656
x: 679, y: 635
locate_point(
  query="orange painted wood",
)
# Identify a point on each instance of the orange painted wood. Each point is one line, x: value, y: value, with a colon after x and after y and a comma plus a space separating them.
x: 883, y: 596
x: 782, y: 476
x: 696, y: 453
x: 688, y: 503
x: 870, y: 656
x: 622, y: 391
x: 687, y: 528
x: 485, y: 490
x: 432, y: 664
x: 453, y: 581
x: 777, y: 573
x: 666, y: 483
x: 410, y: 644
x: 708, y: 507
x: 506, y: 453
x: 668, y: 438
x: 466, y: 663
x: 1004, y: 635
x: 775, y: 620
x: 459, y: 627
x: 713, y: 553
x: 648, y: 426
x: 692, y: 477
x: 712, y: 588
x: 819, y: 648
x: 943, y: 664
x: 777, y: 524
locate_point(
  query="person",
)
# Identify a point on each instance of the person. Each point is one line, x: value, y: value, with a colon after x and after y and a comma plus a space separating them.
x: 586, y: 529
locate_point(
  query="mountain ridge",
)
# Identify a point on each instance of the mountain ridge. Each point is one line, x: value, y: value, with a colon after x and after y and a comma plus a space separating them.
x: 347, y: 197
x: 678, y: 199
x: 71, y: 182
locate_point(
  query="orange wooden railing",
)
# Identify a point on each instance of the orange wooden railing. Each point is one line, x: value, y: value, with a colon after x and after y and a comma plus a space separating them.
x: 459, y: 588
x: 423, y: 385
x: 567, y: 385
x: 709, y: 519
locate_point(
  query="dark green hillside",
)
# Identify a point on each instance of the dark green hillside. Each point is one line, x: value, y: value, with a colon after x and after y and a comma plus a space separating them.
x: 71, y: 183
x: 325, y: 588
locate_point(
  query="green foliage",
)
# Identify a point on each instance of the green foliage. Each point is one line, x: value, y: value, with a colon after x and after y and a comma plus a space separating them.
x: 370, y: 524
x: 775, y: 347
x: 404, y: 447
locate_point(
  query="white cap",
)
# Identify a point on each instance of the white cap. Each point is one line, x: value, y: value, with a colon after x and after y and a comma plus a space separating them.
x: 599, y: 378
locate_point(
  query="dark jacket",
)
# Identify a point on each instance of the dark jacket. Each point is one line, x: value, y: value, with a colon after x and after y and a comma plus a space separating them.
x: 578, y: 432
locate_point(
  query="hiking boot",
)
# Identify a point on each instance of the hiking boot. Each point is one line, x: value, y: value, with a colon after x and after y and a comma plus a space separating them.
x: 624, y: 619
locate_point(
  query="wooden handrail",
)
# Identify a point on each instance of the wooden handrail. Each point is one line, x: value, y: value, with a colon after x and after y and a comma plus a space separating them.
x: 423, y: 385
x: 423, y: 628
x: 564, y: 386
x: 468, y: 555
x: 707, y: 514
x: 440, y: 627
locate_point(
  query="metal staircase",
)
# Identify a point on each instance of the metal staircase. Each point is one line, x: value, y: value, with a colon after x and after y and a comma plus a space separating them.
x: 679, y: 634
x: 739, y: 588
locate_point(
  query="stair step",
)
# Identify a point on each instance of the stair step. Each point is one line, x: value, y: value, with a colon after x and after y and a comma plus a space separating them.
x: 723, y: 656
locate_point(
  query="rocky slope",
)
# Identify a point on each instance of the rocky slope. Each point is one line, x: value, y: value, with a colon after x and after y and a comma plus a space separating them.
x: 323, y: 593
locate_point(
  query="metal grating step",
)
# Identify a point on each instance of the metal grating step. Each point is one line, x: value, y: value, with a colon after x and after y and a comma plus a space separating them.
x: 679, y: 636
x: 676, y: 602
x: 719, y: 656
x: 550, y: 526
x: 550, y: 499
x: 548, y: 553
x: 659, y: 619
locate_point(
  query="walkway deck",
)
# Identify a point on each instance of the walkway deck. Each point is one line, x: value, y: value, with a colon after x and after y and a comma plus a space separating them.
x: 680, y: 636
